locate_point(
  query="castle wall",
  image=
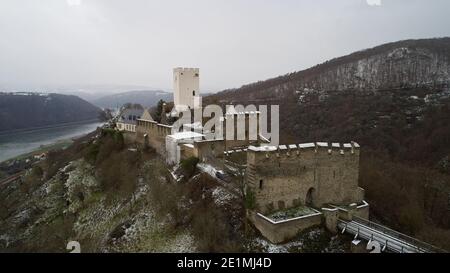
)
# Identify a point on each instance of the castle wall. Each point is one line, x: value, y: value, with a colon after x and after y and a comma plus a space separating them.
x: 209, y: 150
x: 129, y: 137
x: 153, y: 134
x: 241, y: 119
x: 362, y: 212
x: 238, y: 156
x: 314, y: 175
x: 187, y: 151
x: 278, y: 232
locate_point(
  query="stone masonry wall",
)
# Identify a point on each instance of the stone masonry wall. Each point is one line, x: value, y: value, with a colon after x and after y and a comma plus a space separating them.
x: 156, y: 134
x: 288, y: 176
x: 284, y: 231
x: 209, y: 150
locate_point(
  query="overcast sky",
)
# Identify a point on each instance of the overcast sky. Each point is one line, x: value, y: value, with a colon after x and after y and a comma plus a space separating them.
x: 233, y: 42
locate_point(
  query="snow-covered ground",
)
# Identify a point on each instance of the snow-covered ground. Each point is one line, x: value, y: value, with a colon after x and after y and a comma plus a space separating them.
x: 221, y: 196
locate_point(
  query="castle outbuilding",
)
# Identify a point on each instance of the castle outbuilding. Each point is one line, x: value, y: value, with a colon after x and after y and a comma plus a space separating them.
x: 298, y: 186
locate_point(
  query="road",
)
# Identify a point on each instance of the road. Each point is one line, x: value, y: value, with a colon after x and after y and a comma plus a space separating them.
x: 11, y: 178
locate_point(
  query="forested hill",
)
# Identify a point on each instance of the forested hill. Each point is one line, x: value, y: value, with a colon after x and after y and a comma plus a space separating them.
x: 394, y: 97
x: 147, y: 98
x: 399, y: 65
x: 394, y: 100
x: 33, y: 110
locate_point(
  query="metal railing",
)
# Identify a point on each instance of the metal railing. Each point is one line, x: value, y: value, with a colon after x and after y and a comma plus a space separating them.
x: 420, y: 245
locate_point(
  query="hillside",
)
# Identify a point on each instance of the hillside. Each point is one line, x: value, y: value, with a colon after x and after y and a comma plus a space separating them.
x: 146, y: 98
x: 393, y: 89
x: 399, y: 65
x: 33, y: 110
x: 395, y: 101
x: 111, y: 198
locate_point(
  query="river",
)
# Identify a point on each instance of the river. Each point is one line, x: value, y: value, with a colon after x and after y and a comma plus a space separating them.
x: 14, y: 144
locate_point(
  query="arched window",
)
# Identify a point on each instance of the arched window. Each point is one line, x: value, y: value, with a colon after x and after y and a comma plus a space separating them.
x: 261, y: 184
x: 193, y: 93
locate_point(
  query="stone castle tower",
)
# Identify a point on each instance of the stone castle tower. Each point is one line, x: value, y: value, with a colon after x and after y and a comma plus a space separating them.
x: 186, y: 88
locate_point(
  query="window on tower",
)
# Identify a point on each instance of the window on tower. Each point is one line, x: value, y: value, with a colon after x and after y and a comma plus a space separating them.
x: 193, y: 93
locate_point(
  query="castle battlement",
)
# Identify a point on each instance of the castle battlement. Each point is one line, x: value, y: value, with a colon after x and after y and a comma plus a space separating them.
x: 242, y: 114
x: 307, y: 174
x: 186, y: 69
x: 294, y: 149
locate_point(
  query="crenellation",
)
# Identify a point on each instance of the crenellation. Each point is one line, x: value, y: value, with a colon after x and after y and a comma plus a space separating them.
x: 297, y: 150
x: 293, y: 146
x: 186, y: 69
x: 282, y: 147
x: 322, y: 144
x: 307, y: 145
x: 319, y: 165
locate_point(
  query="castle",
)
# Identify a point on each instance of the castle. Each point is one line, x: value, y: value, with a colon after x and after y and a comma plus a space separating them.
x: 299, y: 186
x: 288, y: 188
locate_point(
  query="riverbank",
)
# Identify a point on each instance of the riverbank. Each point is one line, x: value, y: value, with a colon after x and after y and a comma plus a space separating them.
x: 18, y: 144
x: 55, y: 126
x: 60, y: 144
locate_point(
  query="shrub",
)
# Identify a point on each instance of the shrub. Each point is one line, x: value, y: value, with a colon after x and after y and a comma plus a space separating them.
x: 188, y: 166
x: 32, y: 180
x: 250, y: 201
x: 111, y: 140
x: 2, y: 174
x: 118, y: 173
x: 444, y: 165
x: 37, y: 171
x: 213, y: 230
x: 92, y: 152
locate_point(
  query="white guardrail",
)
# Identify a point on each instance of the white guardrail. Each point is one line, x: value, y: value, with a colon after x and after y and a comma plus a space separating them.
x: 387, y: 239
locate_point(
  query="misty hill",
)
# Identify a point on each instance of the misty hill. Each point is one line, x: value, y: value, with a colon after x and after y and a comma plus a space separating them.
x: 394, y: 100
x: 399, y: 65
x: 354, y: 95
x: 147, y: 98
x: 33, y: 110
x: 392, y: 97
